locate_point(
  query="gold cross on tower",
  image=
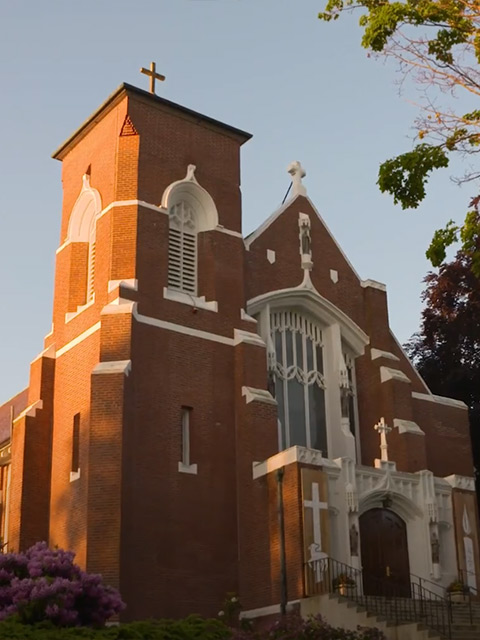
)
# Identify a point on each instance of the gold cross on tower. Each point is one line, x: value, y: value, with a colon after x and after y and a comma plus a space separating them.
x: 153, y: 75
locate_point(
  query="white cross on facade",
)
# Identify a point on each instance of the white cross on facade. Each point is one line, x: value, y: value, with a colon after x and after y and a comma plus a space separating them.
x: 383, y: 429
x: 297, y: 172
x: 316, y: 553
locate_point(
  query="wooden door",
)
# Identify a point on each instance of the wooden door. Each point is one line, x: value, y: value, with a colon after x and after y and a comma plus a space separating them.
x: 383, y: 541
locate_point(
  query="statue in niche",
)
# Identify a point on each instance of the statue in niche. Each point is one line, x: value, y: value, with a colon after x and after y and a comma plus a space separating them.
x: 435, y: 545
x: 306, y: 240
x: 354, y: 540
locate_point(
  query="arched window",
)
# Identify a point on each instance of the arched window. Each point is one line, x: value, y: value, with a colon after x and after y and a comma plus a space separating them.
x: 82, y: 229
x: 299, y: 380
x: 182, y: 248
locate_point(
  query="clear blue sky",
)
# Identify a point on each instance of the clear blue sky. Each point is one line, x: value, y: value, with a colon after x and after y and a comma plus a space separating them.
x: 303, y: 88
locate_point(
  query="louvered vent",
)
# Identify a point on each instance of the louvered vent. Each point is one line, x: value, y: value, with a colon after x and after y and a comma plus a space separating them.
x: 182, y: 249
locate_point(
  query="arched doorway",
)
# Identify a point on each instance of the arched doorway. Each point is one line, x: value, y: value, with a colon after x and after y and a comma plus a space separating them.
x: 383, y: 542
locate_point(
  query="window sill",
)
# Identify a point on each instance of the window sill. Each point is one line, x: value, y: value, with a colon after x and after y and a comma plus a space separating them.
x: 74, y: 475
x: 188, y: 468
x: 187, y: 298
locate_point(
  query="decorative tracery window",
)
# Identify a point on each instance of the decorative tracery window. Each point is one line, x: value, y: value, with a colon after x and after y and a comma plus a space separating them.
x: 182, y: 248
x: 348, y: 392
x: 299, y: 380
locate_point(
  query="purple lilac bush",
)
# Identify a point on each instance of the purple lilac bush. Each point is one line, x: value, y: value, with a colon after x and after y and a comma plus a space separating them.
x: 45, y: 584
x: 294, y: 627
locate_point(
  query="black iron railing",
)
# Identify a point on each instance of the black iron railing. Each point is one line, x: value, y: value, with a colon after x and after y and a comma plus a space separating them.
x: 397, y: 601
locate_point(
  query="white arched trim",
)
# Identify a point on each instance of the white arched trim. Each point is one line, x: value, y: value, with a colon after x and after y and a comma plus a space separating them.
x: 87, y: 206
x: 309, y: 300
x: 189, y: 191
x: 400, y: 504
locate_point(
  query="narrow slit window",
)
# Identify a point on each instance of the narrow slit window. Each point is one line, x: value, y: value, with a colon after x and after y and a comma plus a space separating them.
x: 186, y: 414
x: 76, y: 443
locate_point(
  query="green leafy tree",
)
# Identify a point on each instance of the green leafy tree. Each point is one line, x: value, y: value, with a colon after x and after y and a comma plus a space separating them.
x: 437, y: 44
x: 446, y: 350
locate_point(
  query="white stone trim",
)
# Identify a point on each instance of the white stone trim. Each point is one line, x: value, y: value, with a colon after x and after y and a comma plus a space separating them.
x: 49, y: 352
x: 271, y: 256
x: 407, y: 426
x: 119, y: 305
x: 244, y: 316
x: 378, y: 353
x: 129, y: 283
x: 113, y: 205
x: 374, y: 284
x: 291, y: 455
x: 451, y: 402
x: 266, y: 611
x: 386, y: 373
x: 334, y: 276
x: 424, y: 384
x: 73, y: 314
x: 229, y: 232
x: 178, y: 328
x: 74, y: 475
x: 315, y: 304
x: 78, y: 339
x: 461, y: 482
x: 187, y: 298
x: 188, y: 190
x: 113, y: 366
x: 248, y: 337
x: 188, y: 468
x: 258, y: 395
x: 30, y: 411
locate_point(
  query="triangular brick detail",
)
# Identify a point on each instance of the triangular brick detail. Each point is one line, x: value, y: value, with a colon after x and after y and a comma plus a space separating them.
x: 128, y: 129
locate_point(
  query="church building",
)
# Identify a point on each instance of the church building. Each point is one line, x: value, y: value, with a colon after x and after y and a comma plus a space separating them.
x: 213, y: 412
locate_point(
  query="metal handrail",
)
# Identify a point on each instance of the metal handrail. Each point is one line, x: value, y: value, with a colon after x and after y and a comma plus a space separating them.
x: 400, y: 602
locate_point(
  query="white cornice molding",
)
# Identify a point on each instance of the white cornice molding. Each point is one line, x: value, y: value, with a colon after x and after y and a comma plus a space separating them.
x: 430, y: 397
x: 244, y: 316
x: 119, y: 305
x: 248, y: 337
x: 386, y: 373
x: 49, y: 352
x: 258, y: 395
x: 374, y: 284
x: 178, y: 328
x: 308, y: 298
x: 419, y: 377
x: 113, y: 366
x: 229, y: 232
x: 461, y: 482
x: 73, y: 343
x: 193, y: 301
x: 30, y: 411
x: 130, y: 283
x: 70, y: 315
x: 291, y: 455
x: 407, y: 426
x: 378, y: 353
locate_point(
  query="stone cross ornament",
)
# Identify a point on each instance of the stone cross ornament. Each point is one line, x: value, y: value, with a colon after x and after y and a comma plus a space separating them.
x: 383, y: 429
x: 297, y: 172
